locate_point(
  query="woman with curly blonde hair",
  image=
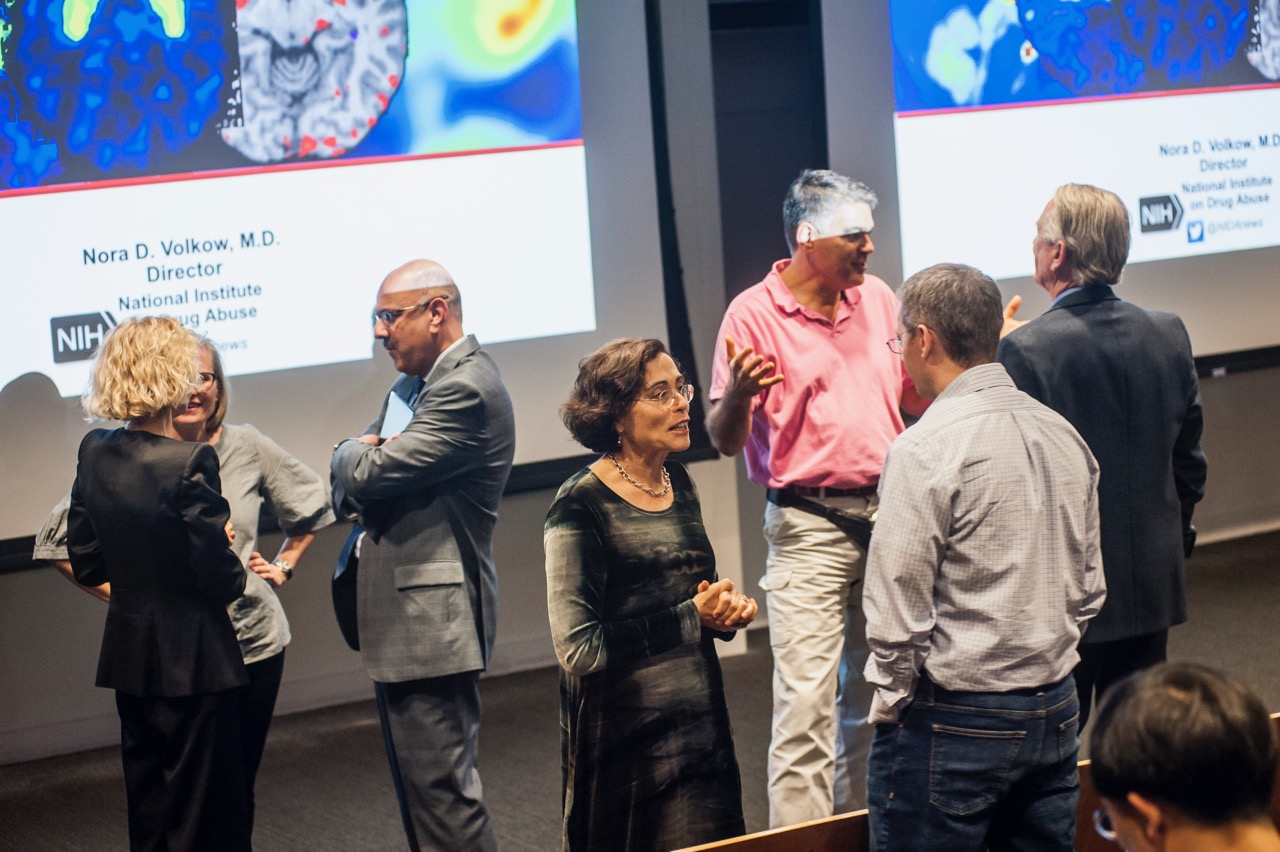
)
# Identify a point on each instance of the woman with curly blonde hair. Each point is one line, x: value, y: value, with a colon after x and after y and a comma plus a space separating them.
x: 148, y: 516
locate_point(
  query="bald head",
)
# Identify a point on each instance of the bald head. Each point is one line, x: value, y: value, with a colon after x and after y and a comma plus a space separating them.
x: 428, y: 278
x: 418, y: 314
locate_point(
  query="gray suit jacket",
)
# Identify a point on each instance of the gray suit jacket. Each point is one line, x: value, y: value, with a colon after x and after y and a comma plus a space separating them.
x: 1126, y: 380
x: 427, y: 590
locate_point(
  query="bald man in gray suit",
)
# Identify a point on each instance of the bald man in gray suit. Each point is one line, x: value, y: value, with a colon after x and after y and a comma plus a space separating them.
x: 427, y: 592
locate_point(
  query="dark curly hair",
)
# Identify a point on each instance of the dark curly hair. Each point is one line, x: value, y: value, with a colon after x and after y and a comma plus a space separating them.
x: 609, y: 381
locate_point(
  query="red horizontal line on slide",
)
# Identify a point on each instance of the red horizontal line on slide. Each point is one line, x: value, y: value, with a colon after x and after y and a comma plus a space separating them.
x: 1170, y: 93
x: 144, y: 180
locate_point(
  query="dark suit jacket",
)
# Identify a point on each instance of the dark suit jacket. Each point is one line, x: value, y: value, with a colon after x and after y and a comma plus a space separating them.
x: 1125, y: 379
x: 427, y: 590
x: 147, y: 516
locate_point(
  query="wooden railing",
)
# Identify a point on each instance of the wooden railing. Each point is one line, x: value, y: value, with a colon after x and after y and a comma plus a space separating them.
x: 849, y: 832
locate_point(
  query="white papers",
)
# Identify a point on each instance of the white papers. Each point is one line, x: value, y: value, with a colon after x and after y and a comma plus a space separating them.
x: 397, y: 417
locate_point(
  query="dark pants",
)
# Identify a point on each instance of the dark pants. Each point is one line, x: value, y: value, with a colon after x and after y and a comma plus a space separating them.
x: 257, y: 704
x: 431, y: 728
x: 182, y: 773
x: 974, y: 770
x: 1103, y: 663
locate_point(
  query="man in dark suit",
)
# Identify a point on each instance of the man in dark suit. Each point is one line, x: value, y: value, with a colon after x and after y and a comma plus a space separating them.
x: 427, y: 495
x: 1125, y: 379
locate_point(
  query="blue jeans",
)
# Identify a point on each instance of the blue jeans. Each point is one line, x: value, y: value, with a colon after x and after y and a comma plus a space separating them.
x: 964, y: 769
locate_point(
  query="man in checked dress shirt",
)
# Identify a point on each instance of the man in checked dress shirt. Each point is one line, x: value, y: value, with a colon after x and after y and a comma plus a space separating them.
x: 984, y: 568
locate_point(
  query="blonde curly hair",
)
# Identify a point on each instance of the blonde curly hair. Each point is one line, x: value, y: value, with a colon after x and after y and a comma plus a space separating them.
x: 145, y: 365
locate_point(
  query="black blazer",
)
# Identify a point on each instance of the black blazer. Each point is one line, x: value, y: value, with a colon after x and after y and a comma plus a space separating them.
x: 147, y: 516
x: 1126, y: 380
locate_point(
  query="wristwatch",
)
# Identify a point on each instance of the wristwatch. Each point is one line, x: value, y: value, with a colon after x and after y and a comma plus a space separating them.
x: 285, y: 568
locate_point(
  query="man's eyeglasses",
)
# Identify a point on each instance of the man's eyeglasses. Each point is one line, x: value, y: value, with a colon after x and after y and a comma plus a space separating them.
x: 207, y: 380
x: 389, y: 317
x: 895, y: 345
x: 1102, y: 825
x: 667, y: 398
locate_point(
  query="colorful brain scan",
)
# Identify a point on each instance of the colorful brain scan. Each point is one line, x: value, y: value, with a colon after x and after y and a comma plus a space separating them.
x: 1264, y: 39
x: 965, y: 53
x: 316, y: 75
x: 1099, y: 47
x: 95, y: 90
x: 124, y: 86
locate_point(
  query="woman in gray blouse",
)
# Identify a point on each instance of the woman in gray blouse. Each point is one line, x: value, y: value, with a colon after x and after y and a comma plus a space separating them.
x: 254, y: 470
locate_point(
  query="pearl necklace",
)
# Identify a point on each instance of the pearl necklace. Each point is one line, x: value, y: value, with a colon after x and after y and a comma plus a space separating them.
x: 666, y: 478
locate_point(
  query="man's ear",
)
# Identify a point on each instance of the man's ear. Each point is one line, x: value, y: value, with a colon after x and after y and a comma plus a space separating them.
x: 804, y: 234
x: 438, y: 309
x: 1153, y: 818
x: 1059, y: 259
x: 924, y: 337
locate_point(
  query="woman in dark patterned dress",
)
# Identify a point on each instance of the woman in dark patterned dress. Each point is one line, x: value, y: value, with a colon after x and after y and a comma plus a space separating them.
x: 635, y: 605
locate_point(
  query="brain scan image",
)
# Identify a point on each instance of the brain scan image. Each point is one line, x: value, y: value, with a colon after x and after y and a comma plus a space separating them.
x: 316, y: 75
x: 1099, y: 48
x: 94, y: 90
x: 1264, y: 41
x: 122, y: 86
x: 961, y: 53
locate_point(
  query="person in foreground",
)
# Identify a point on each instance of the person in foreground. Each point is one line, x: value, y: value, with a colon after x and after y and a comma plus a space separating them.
x: 984, y: 569
x: 147, y: 516
x: 1184, y: 759
x: 635, y: 603
x: 1126, y: 380
x: 253, y: 470
x: 814, y: 433
x: 427, y: 495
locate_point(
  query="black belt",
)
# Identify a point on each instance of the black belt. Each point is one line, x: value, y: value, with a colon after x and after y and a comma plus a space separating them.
x: 1024, y: 692
x: 859, y: 529
x: 823, y: 491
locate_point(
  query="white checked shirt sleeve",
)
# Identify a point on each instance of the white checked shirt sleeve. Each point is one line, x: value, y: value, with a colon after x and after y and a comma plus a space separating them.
x: 906, y: 554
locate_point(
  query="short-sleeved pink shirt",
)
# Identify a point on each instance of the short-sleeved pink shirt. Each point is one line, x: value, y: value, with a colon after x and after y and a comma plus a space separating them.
x: 832, y: 418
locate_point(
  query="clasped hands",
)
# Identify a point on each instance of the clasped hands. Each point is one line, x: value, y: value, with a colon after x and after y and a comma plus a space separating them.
x: 721, y: 608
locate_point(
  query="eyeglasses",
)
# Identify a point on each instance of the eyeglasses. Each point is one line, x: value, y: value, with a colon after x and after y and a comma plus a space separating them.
x: 207, y: 381
x: 895, y: 345
x: 1102, y: 825
x: 666, y: 398
x: 389, y: 317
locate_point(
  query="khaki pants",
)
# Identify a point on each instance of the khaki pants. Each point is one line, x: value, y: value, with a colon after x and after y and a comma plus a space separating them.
x: 818, y: 754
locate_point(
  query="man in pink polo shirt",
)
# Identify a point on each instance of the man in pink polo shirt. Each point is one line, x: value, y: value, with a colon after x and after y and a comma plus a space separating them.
x: 804, y: 382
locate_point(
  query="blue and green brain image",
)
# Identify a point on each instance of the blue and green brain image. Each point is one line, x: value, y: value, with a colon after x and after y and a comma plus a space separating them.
x: 125, y: 84
x: 961, y: 53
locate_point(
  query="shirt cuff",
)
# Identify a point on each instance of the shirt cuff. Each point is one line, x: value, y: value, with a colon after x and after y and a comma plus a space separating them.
x: 690, y: 624
x: 51, y: 553
x: 882, y: 711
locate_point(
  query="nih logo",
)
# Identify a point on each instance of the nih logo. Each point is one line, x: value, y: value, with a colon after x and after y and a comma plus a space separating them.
x: 77, y: 338
x: 1159, y: 213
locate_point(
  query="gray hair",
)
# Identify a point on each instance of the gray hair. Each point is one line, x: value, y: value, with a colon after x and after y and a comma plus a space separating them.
x: 437, y: 281
x: 961, y: 305
x: 1093, y: 223
x: 814, y: 196
x: 432, y: 279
